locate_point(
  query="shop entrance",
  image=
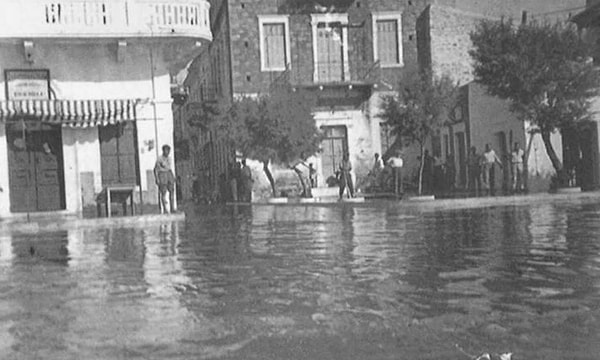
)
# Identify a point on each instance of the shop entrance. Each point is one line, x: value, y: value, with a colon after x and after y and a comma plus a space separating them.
x: 35, y: 164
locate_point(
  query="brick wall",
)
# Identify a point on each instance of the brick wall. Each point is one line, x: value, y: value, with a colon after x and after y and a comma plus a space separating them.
x: 245, y: 51
x: 445, y: 41
x: 514, y: 8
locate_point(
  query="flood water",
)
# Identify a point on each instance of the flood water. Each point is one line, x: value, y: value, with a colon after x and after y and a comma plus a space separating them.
x: 375, y: 281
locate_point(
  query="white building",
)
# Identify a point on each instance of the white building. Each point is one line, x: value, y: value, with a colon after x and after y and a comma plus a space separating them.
x: 87, y: 100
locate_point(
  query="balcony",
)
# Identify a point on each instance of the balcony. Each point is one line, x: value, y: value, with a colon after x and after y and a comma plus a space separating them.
x: 333, y: 83
x: 334, y: 74
x: 97, y: 19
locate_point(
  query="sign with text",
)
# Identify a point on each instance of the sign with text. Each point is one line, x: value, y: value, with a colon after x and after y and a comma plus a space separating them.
x: 27, y: 84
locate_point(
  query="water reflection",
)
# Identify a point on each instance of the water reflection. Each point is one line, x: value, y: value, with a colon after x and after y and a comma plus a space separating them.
x: 230, y: 281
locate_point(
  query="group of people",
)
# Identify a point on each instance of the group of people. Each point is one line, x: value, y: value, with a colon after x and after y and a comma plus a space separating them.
x: 482, y: 170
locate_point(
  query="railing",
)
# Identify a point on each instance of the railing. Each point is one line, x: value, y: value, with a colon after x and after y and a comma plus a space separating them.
x: 331, y: 73
x: 104, y: 18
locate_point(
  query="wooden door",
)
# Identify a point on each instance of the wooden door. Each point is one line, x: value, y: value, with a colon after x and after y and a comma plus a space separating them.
x: 333, y: 148
x: 462, y: 158
x: 35, y: 167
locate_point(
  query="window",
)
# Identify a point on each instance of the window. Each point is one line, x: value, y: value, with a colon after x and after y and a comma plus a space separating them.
x: 274, y: 42
x: 387, y: 39
x: 118, y: 154
x: 330, y: 45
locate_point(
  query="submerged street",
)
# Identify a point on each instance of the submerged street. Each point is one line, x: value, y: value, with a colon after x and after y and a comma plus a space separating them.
x: 371, y: 281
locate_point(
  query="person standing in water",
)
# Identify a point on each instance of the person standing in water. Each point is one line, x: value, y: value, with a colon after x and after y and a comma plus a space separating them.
x: 346, y: 177
x: 165, y: 180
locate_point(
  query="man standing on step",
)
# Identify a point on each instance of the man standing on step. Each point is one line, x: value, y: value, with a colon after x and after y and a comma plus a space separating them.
x: 516, y: 164
x: 396, y: 162
x: 346, y: 177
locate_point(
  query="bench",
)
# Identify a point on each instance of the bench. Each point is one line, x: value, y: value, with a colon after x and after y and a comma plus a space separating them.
x: 116, y: 193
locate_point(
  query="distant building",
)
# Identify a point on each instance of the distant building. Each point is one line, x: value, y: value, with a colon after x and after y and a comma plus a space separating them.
x: 479, y: 119
x: 347, y: 55
x: 87, y: 100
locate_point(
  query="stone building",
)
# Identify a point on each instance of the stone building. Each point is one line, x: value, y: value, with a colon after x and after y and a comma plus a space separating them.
x: 347, y: 55
x: 87, y: 101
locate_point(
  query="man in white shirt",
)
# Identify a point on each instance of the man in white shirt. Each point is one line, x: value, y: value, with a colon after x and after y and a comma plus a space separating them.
x: 396, y: 163
x: 490, y: 159
x: 516, y: 165
x: 165, y: 180
x: 375, y: 174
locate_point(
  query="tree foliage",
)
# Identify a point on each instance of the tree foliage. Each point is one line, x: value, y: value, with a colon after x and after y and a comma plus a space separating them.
x: 419, y: 108
x: 275, y: 127
x: 544, y: 70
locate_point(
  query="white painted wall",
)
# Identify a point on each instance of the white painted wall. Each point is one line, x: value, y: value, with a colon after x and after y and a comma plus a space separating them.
x: 360, y: 144
x: 93, y: 71
x: 489, y: 115
x: 4, y: 194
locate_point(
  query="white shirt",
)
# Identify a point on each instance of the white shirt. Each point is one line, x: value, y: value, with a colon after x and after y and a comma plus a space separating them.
x: 490, y: 157
x: 517, y: 156
x: 395, y: 162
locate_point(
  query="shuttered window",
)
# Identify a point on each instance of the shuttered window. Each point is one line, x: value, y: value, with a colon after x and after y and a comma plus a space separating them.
x: 387, y: 42
x: 274, y: 42
x: 118, y: 154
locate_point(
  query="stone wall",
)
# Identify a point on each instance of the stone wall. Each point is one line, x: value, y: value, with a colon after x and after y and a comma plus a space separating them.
x: 551, y: 9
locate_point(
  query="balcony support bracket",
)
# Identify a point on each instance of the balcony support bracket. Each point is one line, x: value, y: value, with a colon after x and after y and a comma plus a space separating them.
x: 29, y: 51
x: 121, y: 50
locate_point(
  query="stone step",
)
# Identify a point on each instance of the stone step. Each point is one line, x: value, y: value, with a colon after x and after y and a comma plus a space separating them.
x: 325, y: 192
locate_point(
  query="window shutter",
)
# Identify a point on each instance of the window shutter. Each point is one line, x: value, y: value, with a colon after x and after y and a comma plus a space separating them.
x: 387, y: 41
x: 274, y: 40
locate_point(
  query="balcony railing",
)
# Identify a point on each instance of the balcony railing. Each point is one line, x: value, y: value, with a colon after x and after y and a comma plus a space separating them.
x: 331, y: 73
x: 104, y: 18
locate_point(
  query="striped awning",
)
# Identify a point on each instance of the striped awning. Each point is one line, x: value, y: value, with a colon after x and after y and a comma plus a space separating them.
x: 77, y: 113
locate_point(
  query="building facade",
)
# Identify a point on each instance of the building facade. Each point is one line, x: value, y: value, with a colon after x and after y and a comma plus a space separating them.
x: 348, y: 54
x: 87, y: 100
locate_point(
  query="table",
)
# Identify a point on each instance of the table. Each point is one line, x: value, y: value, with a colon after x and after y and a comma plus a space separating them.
x: 120, y: 192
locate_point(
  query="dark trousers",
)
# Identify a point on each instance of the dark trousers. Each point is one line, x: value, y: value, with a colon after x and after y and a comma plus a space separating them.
x: 489, y: 174
x: 398, y: 188
x: 346, y: 181
x: 474, y: 181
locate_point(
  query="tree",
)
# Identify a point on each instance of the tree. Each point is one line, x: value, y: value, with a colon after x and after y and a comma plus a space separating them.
x: 418, y: 109
x: 544, y: 70
x: 275, y: 127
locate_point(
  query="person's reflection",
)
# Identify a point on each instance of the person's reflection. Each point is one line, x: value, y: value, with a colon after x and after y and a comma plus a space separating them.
x: 124, y: 245
x: 169, y: 237
x: 46, y: 248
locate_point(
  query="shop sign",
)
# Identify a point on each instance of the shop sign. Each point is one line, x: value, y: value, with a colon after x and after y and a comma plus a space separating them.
x: 27, y: 84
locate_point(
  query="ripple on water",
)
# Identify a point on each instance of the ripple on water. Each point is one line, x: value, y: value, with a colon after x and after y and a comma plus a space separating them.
x: 370, y: 282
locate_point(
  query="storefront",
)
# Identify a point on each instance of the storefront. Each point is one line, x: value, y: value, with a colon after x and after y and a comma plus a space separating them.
x: 35, y: 148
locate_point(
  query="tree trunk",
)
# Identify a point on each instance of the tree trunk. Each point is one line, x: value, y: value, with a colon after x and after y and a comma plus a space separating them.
x: 421, y: 167
x: 529, y: 144
x: 556, y: 163
x: 269, y: 177
x: 302, y: 182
